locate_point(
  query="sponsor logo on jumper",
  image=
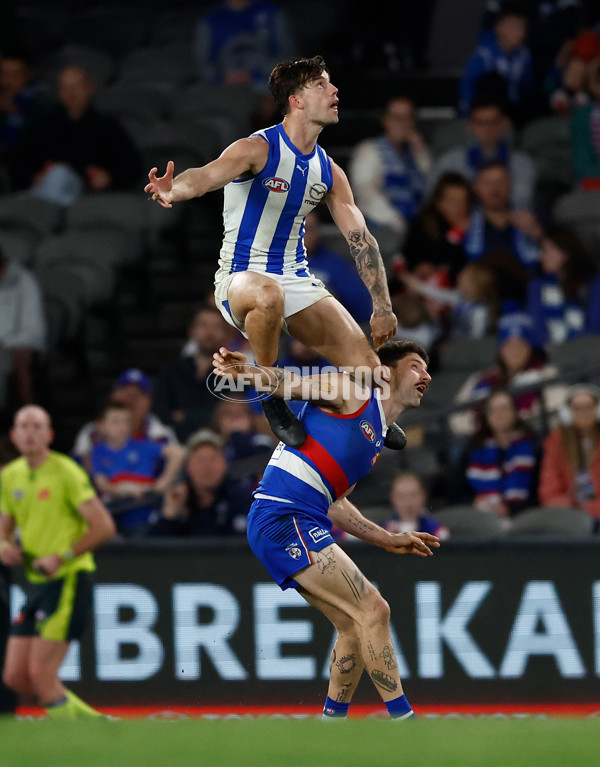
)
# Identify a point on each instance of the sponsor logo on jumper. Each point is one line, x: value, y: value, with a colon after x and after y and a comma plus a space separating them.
x: 276, y: 184
x: 44, y: 494
x: 315, y: 193
x: 317, y: 533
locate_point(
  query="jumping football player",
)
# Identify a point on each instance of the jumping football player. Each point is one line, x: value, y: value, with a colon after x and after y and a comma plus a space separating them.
x: 272, y: 180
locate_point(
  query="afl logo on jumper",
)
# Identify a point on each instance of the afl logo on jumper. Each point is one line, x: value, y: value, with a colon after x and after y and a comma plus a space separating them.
x: 368, y: 430
x: 276, y: 184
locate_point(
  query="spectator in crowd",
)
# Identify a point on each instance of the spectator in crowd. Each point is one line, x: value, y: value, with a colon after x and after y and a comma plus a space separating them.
x: 585, y: 135
x: 239, y: 42
x: 503, y: 54
x: 131, y: 474
x: 133, y: 389
x: 507, y: 240
x: 243, y: 443
x: 408, y: 498
x: 567, y: 81
x: 570, y: 470
x: 519, y: 363
x: 22, y: 331
x: 501, y: 459
x: 563, y: 299
x: 388, y: 174
x: 552, y: 25
x: 490, y: 130
x: 473, y: 304
x: 20, y: 103
x: 415, y: 321
x: 336, y: 271
x: 74, y: 150
x: 181, y: 396
x: 206, y: 502
x: 435, y: 239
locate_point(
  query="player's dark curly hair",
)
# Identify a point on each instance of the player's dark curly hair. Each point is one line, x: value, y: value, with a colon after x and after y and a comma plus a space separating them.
x: 291, y: 75
x: 392, y: 351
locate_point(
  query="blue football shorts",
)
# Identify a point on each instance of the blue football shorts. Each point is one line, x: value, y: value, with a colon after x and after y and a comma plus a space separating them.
x: 282, y: 537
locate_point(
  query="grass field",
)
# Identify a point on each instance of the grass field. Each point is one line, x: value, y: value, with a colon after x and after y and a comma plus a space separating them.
x: 306, y: 743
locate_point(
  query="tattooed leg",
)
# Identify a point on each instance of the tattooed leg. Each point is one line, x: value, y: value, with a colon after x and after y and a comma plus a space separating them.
x: 336, y: 587
x: 346, y: 664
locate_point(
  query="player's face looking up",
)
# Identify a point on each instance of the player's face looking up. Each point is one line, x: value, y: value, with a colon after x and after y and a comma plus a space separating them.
x: 318, y: 99
x: 410, y: 380
x: 32, y: 432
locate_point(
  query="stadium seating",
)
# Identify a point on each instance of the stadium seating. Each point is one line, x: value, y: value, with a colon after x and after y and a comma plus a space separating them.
x: 552, y: 521
x: 577, y: 357
x: 18, y: 245
x: 22, y: 211
x: 581, y: 210
x: 467, y: 355
x: 470, y: 523
x: 157, y: 65
x: 99, y: 65
x: 448, y: 134
x: 113, y: 28
x: 548, y: 141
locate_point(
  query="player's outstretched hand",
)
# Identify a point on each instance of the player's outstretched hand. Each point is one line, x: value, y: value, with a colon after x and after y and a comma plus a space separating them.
x: 413, y: 543
x: 384, y: 326
x: 161, y: 187
x: 232, y: 364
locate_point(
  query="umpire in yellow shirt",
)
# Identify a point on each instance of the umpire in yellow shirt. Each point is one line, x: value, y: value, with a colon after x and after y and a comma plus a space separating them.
x: 60, y: 521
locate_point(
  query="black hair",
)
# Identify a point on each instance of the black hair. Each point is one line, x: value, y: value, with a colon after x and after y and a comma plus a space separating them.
x: 392, y: 351
x: 291, y: 75
x: 511, y: 8
x: 486, y: 101
x: 494, y: 163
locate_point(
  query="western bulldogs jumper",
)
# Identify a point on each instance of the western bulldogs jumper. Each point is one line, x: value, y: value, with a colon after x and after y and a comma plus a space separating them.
x: 288, y: 518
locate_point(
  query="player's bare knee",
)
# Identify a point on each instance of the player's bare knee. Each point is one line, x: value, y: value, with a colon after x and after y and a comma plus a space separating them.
x: 378, y: 612
x: 271, y: 299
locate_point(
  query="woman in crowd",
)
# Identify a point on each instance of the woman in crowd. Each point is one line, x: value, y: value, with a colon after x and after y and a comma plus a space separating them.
x: 570, y: 470
x: 501, y: 459
x: 434, y: 242
x: 519, y: 364
x: 564, y: 299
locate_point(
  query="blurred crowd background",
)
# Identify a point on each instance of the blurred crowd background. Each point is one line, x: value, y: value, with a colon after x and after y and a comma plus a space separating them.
x: 470, y: 131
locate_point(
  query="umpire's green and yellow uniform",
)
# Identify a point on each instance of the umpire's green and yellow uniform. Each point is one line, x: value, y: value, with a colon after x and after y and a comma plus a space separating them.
x: 43, y: 502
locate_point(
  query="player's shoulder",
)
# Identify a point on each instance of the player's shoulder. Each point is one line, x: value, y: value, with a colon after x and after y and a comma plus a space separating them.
x: 13, y: 469
x: 65, y: 464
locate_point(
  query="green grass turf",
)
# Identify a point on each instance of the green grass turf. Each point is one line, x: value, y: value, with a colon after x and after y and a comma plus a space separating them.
x: 301, y: 743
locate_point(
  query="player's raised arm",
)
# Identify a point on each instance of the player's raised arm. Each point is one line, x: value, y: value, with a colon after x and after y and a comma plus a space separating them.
x: 365, y: 250
x: 334, y: 391
x: 346, y: 516
x: 245, y: 156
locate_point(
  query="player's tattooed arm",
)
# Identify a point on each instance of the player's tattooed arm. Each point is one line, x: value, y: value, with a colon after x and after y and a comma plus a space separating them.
x: 345, y: 515
x: 365, y: 251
